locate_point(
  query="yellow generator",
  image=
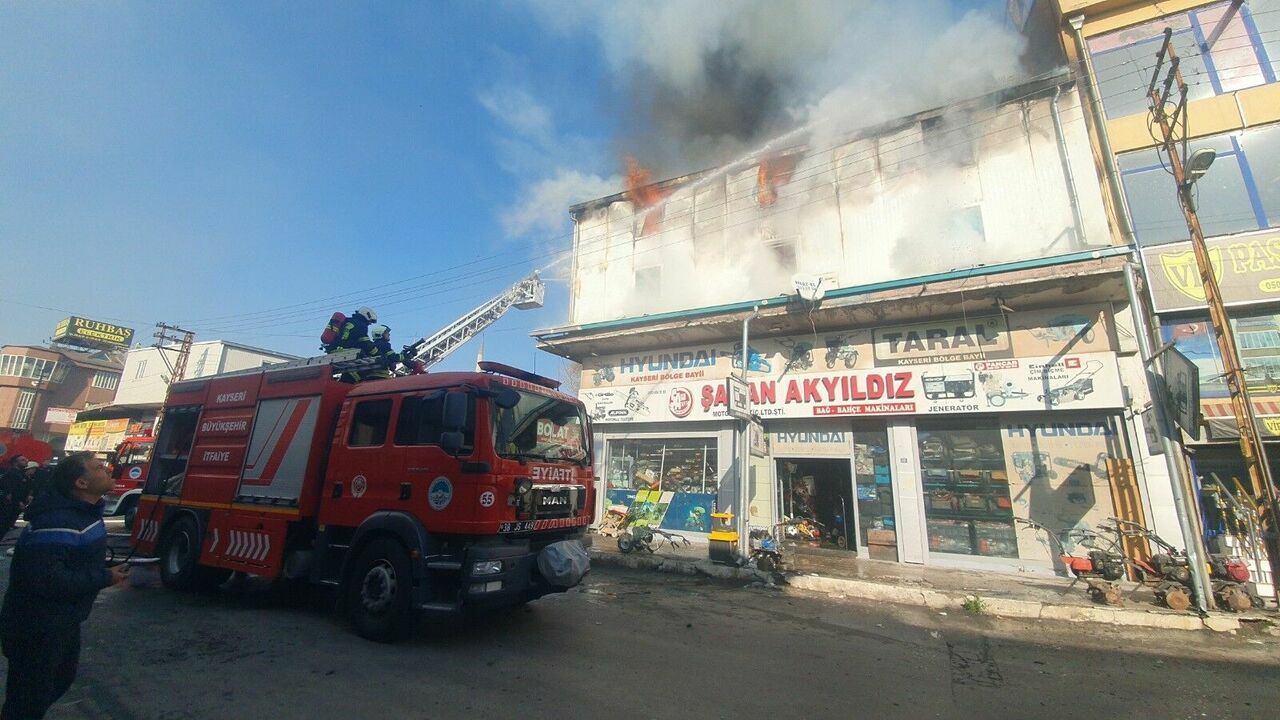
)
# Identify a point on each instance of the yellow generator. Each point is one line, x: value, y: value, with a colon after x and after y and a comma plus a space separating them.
x: 723, y: 540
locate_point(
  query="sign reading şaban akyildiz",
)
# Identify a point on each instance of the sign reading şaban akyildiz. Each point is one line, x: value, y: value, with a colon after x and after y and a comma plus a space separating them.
x: 92, y: 333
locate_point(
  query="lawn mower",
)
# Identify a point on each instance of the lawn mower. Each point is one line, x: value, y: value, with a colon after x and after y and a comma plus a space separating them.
x: 1169, y: 571
x: 646, y: 537
x: 1099, y: 568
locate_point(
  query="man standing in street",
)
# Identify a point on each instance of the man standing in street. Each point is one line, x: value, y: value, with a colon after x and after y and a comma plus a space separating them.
x: 59, y: 565
x: 14, y: 492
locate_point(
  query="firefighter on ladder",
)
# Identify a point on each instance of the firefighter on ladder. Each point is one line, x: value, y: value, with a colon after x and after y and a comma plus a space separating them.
x: 381, y: 348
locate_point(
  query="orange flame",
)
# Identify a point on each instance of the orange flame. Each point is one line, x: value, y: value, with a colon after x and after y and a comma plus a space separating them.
x: 644, y: 194
x: 640, y: 187
x: 773, y: 172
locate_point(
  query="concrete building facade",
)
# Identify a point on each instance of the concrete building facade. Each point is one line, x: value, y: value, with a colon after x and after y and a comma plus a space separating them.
x: 971, y: 362
x: 43, y: 388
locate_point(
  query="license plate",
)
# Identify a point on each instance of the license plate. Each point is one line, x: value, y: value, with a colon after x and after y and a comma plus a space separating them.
x: 513, y: 527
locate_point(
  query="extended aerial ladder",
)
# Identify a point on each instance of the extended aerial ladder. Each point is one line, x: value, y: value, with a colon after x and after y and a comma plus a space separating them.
x: 527, y: 294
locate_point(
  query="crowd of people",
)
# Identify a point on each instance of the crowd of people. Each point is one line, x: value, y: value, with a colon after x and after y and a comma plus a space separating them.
x: 21, y: 482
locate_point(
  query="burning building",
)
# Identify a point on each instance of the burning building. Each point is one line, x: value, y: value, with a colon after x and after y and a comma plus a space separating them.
x: 932, y: 318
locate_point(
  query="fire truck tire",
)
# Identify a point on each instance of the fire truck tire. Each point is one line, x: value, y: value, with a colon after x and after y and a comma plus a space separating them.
x: 379, y: 591
x: 179, y: 560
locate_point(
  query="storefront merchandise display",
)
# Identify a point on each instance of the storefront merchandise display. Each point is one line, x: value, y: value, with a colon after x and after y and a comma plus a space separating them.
x: 968, y: 510
x: 668, y: 483
x: 877, y: 526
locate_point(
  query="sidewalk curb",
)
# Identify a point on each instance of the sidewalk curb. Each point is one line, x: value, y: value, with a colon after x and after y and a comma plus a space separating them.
x: 932, y: 599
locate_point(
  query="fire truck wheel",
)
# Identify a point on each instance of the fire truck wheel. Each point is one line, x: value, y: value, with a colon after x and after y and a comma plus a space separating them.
x: 179, y: 560
x: 379, y: 591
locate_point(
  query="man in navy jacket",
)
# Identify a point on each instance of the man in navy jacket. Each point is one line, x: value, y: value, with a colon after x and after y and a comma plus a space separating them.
x: 59, y: 565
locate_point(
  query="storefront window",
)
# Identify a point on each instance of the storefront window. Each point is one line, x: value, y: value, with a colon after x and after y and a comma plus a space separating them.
x: 667, y: 482
x: 1257, y: 338
x: 967, y: 506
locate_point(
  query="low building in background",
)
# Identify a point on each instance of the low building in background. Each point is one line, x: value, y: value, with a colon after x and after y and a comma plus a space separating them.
x: 145, y: 380
x: 43, y: 389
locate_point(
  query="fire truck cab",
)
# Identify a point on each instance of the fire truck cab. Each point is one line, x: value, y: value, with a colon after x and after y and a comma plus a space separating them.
x: 426, y: 493
x: 129, y: 464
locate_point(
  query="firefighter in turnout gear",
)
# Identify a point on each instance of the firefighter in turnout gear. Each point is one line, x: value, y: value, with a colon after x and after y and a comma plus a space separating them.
x: 354, y: 333
x: 381, y: 335
x: 379, y: 347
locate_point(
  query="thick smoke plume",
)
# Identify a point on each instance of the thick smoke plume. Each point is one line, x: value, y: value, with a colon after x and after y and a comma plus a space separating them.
x: 702, y: 82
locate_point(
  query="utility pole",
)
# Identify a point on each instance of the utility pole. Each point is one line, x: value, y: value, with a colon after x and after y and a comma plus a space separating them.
x: 1246, y: 423
x: 174, y: 335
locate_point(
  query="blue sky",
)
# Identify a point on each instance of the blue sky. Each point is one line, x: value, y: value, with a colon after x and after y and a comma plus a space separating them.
x: 246, y: 168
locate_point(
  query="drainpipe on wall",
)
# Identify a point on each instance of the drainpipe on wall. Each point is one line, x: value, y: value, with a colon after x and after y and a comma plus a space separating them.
x: 1068, y: 176
x: 1181, y: 503
x: 744, y: 450
x: 1109, y: 167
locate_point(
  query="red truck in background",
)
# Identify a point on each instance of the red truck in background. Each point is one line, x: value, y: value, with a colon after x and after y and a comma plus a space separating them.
x: 427, y: 493
x: 128, y: 464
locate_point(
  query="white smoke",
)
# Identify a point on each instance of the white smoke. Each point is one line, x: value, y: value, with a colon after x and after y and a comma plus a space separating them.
x: 709, y: 82
x: 712, y: 79
x: 543, y: 207
x: 528, y: 148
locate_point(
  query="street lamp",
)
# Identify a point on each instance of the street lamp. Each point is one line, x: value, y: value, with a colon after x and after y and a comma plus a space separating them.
x: 1196, y: 166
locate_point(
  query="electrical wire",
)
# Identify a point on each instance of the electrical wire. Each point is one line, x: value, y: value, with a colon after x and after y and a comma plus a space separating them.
x: 879, y: 149
x: 819, y: 169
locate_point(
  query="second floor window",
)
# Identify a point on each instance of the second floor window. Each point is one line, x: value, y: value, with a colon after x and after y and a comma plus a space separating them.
x: 1245, y: 54
x: 1241, y: 191
x: 106, y: 380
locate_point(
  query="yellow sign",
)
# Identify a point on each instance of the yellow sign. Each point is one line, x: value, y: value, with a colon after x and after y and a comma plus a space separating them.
x: 93, y: 333
x: 1184, y: 273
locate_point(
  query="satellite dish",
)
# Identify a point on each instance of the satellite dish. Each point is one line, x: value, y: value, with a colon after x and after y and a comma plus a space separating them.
x: 808, y: 287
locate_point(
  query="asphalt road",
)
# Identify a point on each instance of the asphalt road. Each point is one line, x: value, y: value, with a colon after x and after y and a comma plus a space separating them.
x: 638, y: 645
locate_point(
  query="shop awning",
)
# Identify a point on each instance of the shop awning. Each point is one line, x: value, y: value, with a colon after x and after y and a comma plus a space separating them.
x: 1222, y: 421
x: 1086, y: 277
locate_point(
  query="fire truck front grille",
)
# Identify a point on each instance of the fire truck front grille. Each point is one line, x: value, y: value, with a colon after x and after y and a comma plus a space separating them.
x: 559, y: 501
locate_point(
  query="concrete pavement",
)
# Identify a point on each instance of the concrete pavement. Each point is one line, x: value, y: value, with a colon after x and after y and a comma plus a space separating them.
x: 940, y: 589
x: 635, y: 645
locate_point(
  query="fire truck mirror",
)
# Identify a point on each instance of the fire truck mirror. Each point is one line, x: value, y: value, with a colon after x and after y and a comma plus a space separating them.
x: 451, y: 442
x: 506, y: 398
x: 454, y: 414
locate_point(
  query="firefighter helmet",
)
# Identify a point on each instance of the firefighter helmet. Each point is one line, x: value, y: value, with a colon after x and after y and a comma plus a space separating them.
x: 368, y: 314
x: 377, y: 332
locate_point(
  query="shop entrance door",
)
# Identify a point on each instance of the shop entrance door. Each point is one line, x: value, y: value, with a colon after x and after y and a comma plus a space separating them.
x: 819, y: 494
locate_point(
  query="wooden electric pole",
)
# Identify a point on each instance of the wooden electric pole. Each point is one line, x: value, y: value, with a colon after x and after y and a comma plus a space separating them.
x: 172, y: 335
x: 1251, y: 449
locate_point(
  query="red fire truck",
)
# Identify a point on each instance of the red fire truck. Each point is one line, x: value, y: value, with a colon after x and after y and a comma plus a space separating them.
x: 427, y: 493
x: 129, y: 463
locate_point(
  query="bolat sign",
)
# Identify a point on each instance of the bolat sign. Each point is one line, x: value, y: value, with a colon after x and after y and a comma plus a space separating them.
x: 1072, y: 382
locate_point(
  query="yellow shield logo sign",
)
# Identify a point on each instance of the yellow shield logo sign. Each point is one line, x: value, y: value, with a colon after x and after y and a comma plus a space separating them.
x: 1184, y: 275
x: 1272, y: 425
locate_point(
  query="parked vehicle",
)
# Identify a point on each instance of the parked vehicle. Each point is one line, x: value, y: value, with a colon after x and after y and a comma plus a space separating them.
x: 431, y: 493
x: 128, y: 463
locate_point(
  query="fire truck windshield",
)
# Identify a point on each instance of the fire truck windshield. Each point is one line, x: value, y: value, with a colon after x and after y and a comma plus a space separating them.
x: 135, y: 454
x: 541, y: 428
